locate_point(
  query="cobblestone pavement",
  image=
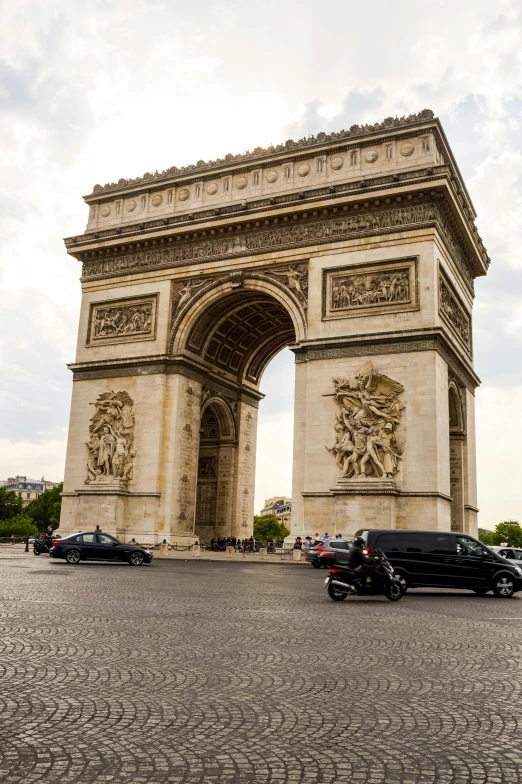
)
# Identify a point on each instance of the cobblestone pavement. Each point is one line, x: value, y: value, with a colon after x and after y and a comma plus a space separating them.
x: 201, y: 672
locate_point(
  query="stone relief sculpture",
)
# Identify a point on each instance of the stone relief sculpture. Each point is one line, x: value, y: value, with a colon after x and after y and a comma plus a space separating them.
x: 186, y: 291
x: 368, y: 442
x: 296, y: 278
x: 122, y: 320
x: 451, y: 309
x: 361, y: 290
x: 110, y: 447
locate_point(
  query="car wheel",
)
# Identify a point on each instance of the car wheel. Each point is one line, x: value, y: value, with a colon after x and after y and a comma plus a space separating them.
x: 136, y: 558
x: 335, y: 594
x: 316, y: 565
x: 504, y: 586
x: 73, y: 556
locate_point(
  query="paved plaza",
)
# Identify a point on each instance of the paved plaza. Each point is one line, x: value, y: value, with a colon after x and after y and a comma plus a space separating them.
x: 210, y: 672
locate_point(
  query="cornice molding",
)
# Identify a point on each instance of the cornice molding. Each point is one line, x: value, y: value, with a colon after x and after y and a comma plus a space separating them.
x: 398, y: 342
x: 242, y: 243
x: 260, y: 153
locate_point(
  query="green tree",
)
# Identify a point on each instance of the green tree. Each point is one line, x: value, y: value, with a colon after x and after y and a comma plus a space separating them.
x: 268, y: 527
x: 509, y: 531
x: 45, y: 510
x: 19, y: 525
x: 10, y: 504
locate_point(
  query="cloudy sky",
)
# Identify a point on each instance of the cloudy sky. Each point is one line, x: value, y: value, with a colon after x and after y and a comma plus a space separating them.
x: 94, y: 92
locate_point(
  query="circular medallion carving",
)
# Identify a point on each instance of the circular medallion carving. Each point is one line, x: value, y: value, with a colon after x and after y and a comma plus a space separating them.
x: 105, y: 211
x: 241, y: 183
x: 156, y: 200
x: 407, y: 149
x: 272, y: 176
x: 183, y: 194
x: 371, y: 156
x: 303, y: 170
x: 212, y: 188
x: 131, y: 205
x: 337, y: 163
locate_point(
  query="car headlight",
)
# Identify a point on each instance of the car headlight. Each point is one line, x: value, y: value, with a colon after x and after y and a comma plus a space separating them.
x: 518, y: 570
x: 148, y: 552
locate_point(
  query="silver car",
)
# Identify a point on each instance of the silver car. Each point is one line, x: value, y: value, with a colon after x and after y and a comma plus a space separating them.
x: 512, y: 554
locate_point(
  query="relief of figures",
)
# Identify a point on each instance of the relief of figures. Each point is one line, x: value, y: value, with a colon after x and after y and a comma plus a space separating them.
x: 110, y: 447
x: 378, y: 288
x: 296, y: 278
x: 454, y: 313
x: 368, y: 442
x: 122, y: 320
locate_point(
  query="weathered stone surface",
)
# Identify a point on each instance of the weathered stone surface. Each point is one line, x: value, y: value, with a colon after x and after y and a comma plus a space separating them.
x: 357, y: 250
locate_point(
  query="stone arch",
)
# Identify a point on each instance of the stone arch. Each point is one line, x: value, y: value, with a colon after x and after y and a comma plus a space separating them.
x: 224, y: 414
x: 203, y: 325
x: 456, y: 409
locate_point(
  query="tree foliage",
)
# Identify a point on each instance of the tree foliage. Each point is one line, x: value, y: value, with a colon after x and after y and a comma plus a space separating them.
x: 45, y: 510
x: 19, y: 525
x: 10, y: 504
x: 267, y: 527
x: 509, y: 531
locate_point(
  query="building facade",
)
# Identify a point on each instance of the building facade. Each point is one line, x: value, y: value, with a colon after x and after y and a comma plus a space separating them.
x: 28, y: 489
x: 358, y: 250
x: 281, y: 507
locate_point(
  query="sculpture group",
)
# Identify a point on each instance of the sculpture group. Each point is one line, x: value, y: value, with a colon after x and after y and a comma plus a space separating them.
x: 368, y: 442
x: 353, y: 291
x: 111, y: 438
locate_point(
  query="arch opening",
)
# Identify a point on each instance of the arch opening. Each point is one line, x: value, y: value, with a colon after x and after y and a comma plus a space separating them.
x: 457, y: 449
x: 233, y: 339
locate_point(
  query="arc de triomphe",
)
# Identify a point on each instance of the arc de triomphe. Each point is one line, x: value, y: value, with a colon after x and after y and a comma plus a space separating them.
x: 358, y: 250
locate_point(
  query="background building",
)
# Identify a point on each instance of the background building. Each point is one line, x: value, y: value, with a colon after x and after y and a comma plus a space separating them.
x: 27, y: 489
x: 279, y: 506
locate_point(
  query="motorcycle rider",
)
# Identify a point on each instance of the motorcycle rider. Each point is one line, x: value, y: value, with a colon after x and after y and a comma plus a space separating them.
x: 360, y: 563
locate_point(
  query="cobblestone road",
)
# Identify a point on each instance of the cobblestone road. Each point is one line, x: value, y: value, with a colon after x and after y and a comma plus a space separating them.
x: 201, y: 672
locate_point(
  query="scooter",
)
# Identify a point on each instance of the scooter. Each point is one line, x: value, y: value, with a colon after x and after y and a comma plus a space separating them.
x: 42, y: 546
x: 342, y: 582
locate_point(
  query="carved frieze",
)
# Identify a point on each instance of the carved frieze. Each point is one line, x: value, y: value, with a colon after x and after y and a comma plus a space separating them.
x: 453, y: 311
x: 110, y: 447
x: 253, y: 242
x: 122, y: 320
x: 359, y: 290
x: 368, y: 441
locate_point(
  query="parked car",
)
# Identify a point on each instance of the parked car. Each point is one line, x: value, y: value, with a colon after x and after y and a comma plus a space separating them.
x: 98, y: 547
x: 328, y: 553
x: 445, y: 560
x: 513, y: 554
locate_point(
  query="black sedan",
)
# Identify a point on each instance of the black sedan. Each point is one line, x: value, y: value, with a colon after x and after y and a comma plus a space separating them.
x: 98, y: 547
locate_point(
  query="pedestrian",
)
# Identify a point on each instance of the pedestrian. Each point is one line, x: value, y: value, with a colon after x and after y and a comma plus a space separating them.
x: 326, y: 537
x: 298, y: 545
x: 97, y: 530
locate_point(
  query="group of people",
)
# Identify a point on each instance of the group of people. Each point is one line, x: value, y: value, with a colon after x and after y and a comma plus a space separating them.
x: 310, y: 541
x: 250, y: 545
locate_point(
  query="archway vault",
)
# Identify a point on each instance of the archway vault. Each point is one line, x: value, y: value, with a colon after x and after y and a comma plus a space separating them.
x: 235, y: 325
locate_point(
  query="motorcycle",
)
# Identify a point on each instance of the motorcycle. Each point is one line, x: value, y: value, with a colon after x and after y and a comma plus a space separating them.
x: 42, y: 546
x: 342, y: 582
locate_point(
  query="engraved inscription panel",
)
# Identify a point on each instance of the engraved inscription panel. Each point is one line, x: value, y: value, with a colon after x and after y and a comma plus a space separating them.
x: 122, y: 320
x: 359, y: 290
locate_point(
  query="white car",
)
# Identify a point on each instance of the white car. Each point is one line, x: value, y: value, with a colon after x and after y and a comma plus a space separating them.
x: 513, y: 554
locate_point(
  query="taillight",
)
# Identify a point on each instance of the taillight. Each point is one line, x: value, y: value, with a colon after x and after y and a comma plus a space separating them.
x: 323, y: 554
x: 56, y: 543
x: 367, y: 550
x: 335, y: 571
x: 320, y: 547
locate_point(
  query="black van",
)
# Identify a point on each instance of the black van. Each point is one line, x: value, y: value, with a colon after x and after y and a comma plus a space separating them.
x: 445, y: 560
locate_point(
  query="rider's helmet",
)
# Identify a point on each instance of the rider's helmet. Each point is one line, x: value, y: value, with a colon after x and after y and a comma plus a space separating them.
x: 359, y: 542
